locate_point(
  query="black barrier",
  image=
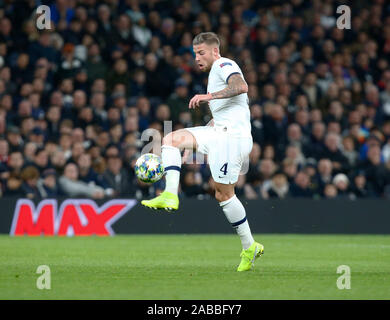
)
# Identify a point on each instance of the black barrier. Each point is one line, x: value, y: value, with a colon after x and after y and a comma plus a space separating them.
x: 127, y: 216
x: 270, y: 216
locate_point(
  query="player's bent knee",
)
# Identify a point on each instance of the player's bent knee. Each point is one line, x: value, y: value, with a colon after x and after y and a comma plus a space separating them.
x: 179, y: 139
x: 168, y: 140
x: 173, y: 139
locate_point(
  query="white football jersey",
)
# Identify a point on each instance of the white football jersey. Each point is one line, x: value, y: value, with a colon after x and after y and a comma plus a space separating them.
x: 232, y: 112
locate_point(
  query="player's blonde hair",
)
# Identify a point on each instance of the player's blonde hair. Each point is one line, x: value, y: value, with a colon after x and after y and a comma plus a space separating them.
x: 209, y: 38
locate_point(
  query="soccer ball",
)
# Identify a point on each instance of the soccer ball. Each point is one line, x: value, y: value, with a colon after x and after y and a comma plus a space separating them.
x: 149, y: 168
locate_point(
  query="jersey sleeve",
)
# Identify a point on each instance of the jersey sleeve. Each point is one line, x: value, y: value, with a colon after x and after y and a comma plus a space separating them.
x: 228, y: 68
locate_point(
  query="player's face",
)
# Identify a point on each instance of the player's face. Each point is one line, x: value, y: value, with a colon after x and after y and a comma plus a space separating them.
x: 205, y: 55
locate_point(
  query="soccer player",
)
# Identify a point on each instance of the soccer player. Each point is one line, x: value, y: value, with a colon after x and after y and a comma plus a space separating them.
x: 226, y: 140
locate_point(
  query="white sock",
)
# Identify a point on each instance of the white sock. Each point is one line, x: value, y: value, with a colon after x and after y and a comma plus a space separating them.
x: 235, y: 213
x: 171, y: 159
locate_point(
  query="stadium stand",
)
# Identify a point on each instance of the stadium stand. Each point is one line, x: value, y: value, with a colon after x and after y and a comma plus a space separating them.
x: 76, y: 99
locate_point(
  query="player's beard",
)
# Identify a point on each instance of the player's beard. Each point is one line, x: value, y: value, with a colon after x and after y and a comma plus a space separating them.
x: 208, y: 67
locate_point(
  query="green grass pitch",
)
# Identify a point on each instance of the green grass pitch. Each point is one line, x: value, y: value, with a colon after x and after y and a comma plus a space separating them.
x: 194, y: 267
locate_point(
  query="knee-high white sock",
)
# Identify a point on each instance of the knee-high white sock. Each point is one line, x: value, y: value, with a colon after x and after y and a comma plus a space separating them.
x: 171, y: 159
x: 235, y: 213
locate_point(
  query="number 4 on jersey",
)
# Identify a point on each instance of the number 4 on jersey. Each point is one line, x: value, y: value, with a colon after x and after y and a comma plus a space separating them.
x: 224, y: 168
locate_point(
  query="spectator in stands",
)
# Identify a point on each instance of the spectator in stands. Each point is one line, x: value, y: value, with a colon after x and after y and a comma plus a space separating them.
x: 30, y: 176
x: 359, y: 186
x: 15, y: 141
x: 15, y: 163
x: 324, y: 174
x: 290, y: 169
x: 71, y: 186
x: 4, y: 149
x: 274, y: 126
x: 47, y: 185
x: 333, y: 153
x: 243, y: 188
x: 301, y: 186
x: 119, y: 74
x: 41, y: 159
x: 349, y: 150
x: 117, y: 177
x: 330, y: 191
x: 257, y: 124
x: 86, y: 173
x: 178, y: 101
x: 268, y: 152
x: 192, y: 184
x: 294, y: 153
x: 77, y: 150
x: 278, y: 188
x: 341, y: 182
x: 376, y: 173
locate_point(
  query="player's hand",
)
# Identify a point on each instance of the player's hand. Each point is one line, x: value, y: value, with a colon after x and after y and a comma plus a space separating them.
x: 198, y: 99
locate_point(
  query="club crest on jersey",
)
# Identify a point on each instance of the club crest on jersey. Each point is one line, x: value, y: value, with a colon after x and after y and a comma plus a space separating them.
x: 225, y: 64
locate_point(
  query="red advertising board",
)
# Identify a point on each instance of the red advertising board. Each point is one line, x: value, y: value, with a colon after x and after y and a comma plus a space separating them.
x: 79, y: 217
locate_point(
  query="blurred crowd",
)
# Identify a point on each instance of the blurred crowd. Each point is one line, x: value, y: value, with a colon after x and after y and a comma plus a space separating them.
x: 76, y: 99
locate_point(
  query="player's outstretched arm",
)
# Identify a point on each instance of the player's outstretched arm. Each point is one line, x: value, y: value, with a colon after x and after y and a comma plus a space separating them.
x: 236, y: 85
